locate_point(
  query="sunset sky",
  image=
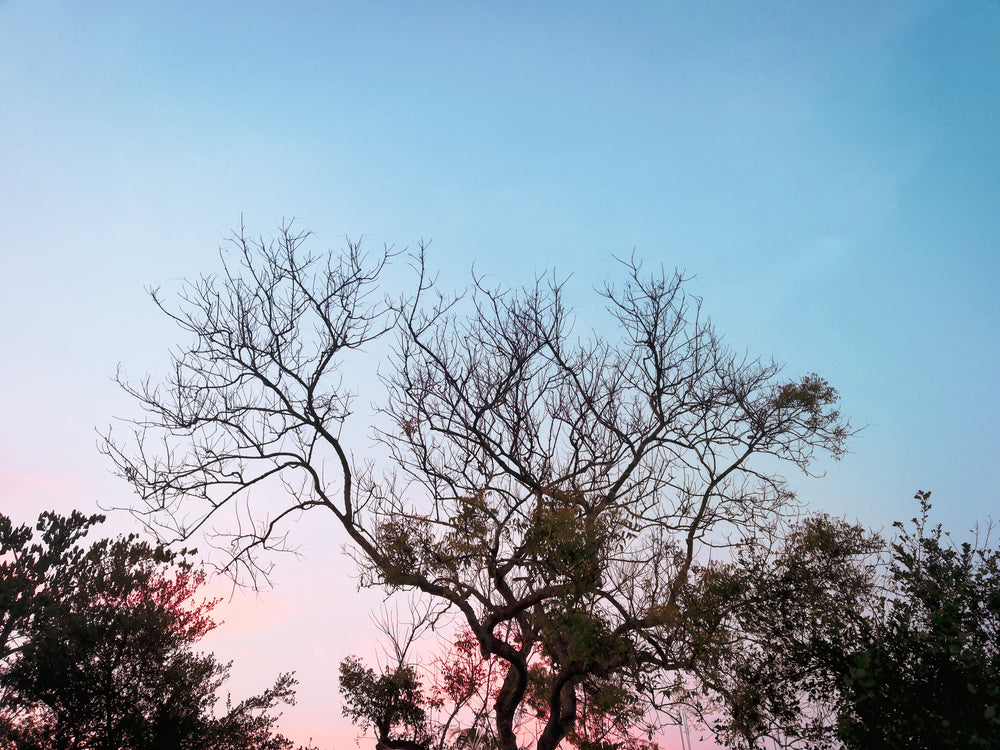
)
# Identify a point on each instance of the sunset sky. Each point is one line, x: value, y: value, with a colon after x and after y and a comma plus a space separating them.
x: 828, y: 173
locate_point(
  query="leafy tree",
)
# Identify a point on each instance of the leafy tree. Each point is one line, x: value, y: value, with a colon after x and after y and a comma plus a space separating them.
x: 390, y: 703
x: 771, y: 678
x: 926, y: 673
x: 563, y: 492
x: 28, y: 568
x: 767, y: 622
x: 98, y: 648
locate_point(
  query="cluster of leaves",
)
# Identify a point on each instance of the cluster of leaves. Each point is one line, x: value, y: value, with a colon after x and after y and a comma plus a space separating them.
x: 390, y: 703
x: 773, y: 624
x: 926, y: 673
x: 96, y: 648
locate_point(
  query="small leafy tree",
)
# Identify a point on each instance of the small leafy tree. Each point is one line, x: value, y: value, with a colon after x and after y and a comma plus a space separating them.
x: 926, y: 672
x: 561, y: 491
x: 392, y: 704
x: 97, y: 650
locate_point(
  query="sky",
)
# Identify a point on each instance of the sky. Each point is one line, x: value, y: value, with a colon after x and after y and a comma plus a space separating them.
x: 828, y: 173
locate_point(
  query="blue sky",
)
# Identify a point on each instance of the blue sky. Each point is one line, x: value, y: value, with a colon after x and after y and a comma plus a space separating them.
x: 829, y: 173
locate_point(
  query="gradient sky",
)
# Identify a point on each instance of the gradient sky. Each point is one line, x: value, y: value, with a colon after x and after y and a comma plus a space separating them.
x: 828, y: 172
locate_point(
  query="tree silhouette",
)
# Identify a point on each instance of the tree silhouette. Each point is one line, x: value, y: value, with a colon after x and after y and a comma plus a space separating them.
x: 568, y: 494
x: 98, y: 648
x: 926, y: 671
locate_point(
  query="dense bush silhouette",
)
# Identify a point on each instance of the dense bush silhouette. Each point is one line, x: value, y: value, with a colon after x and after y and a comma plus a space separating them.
x: 97, y: 648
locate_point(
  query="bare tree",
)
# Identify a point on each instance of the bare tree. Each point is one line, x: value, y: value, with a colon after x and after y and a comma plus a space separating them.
x: 561, y: 491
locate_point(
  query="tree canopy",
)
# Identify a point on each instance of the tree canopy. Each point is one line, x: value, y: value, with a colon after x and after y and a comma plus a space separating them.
x: 97, y: 649
x: 603, y: 510
x: 925, y: 672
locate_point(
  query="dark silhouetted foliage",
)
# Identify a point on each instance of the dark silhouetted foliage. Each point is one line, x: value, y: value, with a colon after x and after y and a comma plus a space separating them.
x: 97, y: 650
x: 926, y: 674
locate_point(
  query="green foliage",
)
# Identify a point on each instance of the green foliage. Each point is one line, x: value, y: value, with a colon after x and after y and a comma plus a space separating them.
x: 391, y: 703
x: 765, y: 625
x: 28, y: 571
x: 611, y: 712
x: 98, y: 648
x: 403, y: 543
x: 472, y: 525
x: 566, y: 540
x: 812, y: 396
x: 926, y: 674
